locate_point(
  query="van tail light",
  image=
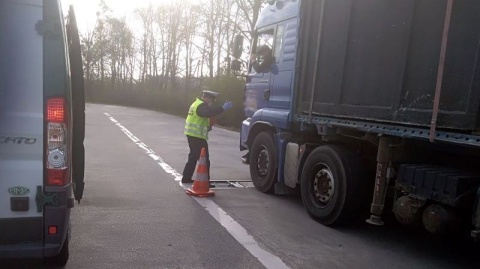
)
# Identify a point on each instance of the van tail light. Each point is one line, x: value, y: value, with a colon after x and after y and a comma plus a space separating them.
x: 56, y: 110
x: 57, y: 142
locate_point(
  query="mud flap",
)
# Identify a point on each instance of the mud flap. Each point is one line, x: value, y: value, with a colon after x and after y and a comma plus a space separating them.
x: 476, y: 217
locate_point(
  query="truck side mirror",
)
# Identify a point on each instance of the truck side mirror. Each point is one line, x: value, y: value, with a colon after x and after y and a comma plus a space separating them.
x: 237, y: 49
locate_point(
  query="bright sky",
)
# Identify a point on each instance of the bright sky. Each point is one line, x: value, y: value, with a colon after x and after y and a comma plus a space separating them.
x: 85, y: 10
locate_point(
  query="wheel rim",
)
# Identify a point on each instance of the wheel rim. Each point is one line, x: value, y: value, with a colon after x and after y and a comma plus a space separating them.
x: 323, y: 186
x: 263, y: 161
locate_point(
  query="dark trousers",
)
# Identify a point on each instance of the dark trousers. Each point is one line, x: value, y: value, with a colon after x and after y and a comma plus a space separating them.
x: 195, y: 144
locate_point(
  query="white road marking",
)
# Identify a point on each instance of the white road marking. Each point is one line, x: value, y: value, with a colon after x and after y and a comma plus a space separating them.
x: 151, y: 153
x: 269, y: 260
x: 241, y: 235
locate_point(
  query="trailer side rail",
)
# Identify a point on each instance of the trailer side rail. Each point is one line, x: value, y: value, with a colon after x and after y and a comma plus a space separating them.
x: 393, y: 130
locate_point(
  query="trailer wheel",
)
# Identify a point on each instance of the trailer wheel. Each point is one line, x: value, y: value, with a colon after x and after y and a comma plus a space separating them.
x: 263, y: 163
x: 328, y: 182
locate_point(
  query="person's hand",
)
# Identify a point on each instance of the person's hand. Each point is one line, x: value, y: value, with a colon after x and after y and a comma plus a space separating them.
x: 227, y: 105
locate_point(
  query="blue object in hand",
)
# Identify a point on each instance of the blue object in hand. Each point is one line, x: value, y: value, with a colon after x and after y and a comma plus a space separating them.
x: 227, y: 105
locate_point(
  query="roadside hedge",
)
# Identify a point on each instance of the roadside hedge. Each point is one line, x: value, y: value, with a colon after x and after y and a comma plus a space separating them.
x: 172, y: 99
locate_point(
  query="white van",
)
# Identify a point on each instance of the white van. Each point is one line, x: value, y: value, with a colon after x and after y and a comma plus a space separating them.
x: 42, y: 123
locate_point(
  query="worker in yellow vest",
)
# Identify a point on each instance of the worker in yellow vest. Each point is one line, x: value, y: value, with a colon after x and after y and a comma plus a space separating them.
x: 197, y: 126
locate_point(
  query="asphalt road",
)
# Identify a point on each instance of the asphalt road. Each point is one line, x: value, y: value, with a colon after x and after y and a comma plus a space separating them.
x: 135, y: 213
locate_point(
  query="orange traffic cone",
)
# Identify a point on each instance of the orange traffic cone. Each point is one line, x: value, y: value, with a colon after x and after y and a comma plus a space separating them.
x: 201, y: 184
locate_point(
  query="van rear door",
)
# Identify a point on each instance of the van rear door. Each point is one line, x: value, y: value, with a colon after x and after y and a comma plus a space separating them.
x: 78, y: 104
x: 21, y: 121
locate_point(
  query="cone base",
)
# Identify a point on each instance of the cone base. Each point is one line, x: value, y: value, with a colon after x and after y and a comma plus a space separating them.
x: 200, y: 194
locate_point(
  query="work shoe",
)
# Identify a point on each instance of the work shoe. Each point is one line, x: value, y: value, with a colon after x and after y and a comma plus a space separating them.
x: 187, y: 181
x: 246, y: 158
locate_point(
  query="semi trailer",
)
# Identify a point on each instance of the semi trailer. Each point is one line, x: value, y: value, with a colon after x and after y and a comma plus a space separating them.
x: 368, y: 104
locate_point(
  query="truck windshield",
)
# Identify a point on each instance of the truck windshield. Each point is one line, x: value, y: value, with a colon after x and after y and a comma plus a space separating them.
x: 262, y: 52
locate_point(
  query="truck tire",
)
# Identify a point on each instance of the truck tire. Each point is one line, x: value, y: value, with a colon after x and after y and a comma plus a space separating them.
x: 328, y: 182
x: 263, y: 162
x: 61, y: 258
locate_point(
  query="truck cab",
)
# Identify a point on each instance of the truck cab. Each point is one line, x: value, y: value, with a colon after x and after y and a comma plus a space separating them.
x: 269, y: 93
x: 41, y: 129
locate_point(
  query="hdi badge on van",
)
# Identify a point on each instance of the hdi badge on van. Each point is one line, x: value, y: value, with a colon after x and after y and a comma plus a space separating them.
x: 42, y: 127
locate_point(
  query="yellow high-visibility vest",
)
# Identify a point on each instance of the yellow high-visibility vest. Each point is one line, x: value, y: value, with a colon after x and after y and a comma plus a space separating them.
x: 195, y: 125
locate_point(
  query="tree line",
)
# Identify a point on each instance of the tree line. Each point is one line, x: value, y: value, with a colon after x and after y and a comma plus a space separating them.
x: 167, y: 53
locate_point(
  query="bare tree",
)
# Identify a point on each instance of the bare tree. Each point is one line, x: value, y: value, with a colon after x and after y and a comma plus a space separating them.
x: 251, y: 10
x: 188, y: 33
x: 211, y: 23
x: 175, y: 39
x: 146, y: 16
x: 174, y: 20
x: 120, y: 41
x: 101, y: 38
x: 87, y: 44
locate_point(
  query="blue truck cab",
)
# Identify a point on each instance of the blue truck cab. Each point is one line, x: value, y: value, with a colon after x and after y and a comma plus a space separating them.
x: 268, y: 94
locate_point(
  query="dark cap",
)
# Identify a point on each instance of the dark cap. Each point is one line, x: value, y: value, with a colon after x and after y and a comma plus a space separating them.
x: 210, y: 94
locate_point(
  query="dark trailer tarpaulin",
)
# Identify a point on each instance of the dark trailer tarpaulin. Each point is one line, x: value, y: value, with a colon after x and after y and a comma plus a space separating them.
x: 379, y: 60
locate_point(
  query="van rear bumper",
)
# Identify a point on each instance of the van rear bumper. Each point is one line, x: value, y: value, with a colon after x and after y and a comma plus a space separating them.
x: 19, y: 230
x: 29, y: 238
x: 28, y: 250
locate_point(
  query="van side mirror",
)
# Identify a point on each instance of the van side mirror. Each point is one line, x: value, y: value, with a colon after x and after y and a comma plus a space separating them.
x: 237, y: 48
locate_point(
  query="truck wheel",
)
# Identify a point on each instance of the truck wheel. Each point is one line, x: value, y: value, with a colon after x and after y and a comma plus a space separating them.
x: 328, y: 182
x: 263, y: 162
x: 61, y: 258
